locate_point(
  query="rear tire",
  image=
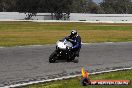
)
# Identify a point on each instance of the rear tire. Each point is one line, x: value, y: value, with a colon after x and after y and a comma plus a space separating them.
x: 73, y: 56
x: 53, y: 57
x: 76, y: 61
x: 71, y: 59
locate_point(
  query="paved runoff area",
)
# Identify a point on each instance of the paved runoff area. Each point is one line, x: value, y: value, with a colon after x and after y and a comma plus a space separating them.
x: 30, y: 63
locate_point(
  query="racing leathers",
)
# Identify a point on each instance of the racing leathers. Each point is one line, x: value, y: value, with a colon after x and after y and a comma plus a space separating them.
x: 76, y: 41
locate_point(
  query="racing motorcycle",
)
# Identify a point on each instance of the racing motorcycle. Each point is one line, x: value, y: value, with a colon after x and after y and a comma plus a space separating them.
x: 63, y: 51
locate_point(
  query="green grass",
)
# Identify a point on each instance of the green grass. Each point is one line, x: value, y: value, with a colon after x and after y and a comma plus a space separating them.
x: 75, y: 82
x: 32, y: 33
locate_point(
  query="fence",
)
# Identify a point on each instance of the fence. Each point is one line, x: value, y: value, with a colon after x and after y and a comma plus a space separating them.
x: 73, y: 16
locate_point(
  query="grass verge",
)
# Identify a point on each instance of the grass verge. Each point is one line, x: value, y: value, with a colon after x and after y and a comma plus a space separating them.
x: 75, y: 82
x: 31, y: 33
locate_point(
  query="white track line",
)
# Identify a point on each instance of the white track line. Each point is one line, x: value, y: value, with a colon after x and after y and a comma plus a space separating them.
x: 27, y: 46
x: 65, y: 77
x: 100, y: 43
x: 81, y: 43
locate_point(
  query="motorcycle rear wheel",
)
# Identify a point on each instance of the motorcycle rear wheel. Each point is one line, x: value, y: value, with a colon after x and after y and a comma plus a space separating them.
x: 71, y: 59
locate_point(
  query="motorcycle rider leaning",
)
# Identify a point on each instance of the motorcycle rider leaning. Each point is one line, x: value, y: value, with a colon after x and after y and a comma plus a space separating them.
x: 75, y: 39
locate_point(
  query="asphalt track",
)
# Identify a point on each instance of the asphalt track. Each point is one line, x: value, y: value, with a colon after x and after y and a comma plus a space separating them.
x: 30, y: 63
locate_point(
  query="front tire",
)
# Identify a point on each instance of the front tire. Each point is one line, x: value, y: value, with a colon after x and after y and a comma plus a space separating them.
x: 53, y: 57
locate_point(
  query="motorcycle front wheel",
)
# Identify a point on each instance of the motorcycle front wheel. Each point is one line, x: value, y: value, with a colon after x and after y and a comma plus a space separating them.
x: 53, y: 57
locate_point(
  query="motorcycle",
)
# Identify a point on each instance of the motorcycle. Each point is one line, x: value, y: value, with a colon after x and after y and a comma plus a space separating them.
x: 63, y: 52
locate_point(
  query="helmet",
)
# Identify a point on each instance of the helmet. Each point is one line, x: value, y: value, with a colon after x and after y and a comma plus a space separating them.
x: 73, y: 33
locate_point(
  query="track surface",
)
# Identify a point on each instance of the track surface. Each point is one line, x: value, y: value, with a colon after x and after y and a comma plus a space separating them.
x: 30, y: 63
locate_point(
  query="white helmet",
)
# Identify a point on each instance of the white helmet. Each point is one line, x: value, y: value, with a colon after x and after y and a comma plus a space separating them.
x: 73, y: 33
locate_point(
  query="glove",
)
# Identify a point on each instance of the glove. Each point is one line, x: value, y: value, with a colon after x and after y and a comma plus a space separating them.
x: 70, y: 48
x: 71, y: 40
x: 67, y: 38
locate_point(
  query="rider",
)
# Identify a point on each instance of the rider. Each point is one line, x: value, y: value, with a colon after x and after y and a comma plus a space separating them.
x: 75, y: 39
